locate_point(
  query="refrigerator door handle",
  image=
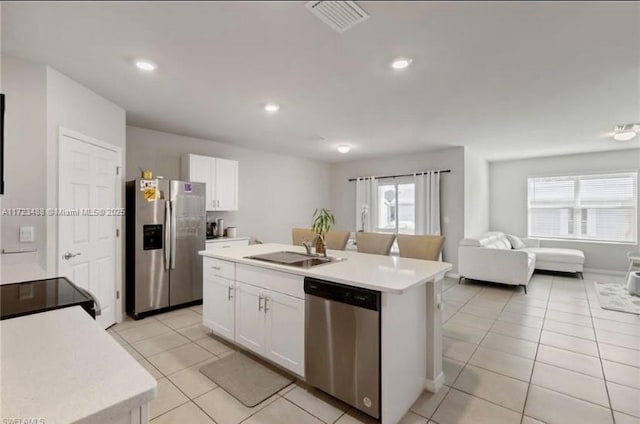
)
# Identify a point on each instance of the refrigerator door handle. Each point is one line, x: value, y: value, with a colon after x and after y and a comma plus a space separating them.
x: 173, y: 235
x: 167, y: 234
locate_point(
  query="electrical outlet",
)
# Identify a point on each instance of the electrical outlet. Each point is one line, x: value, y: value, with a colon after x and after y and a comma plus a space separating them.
x: 27, y: 234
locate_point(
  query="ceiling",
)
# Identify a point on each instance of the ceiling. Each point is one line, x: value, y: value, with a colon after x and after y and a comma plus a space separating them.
x: 509, y: 80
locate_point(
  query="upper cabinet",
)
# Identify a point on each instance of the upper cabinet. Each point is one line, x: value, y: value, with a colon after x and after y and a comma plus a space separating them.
x: 221, y: 177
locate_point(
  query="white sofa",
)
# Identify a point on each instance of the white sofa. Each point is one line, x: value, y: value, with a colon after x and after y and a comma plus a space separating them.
x: 491, y: 257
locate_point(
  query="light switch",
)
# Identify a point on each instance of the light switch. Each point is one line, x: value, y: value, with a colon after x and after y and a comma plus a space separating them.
x: 27, y: 234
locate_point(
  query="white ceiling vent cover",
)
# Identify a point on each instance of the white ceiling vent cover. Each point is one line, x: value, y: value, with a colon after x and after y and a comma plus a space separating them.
x: 339, y: 15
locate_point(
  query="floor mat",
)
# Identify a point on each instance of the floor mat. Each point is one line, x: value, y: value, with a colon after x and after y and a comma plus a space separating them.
x: 245, y: 378
x: 614, y: 296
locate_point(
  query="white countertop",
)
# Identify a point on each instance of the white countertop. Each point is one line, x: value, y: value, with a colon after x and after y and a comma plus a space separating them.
x: 388, y: 274
x: 221, y: 239
x: 63, y: 367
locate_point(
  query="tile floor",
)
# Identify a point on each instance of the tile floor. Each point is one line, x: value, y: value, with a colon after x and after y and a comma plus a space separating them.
x: 552, y: 356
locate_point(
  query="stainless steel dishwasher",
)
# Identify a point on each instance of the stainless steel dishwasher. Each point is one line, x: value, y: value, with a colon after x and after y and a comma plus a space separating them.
x: 342, y: 343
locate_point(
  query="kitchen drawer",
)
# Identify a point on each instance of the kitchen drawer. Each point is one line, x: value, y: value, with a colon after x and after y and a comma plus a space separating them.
x: 225, y: 244
x: 219, y: 268
x: 281, y: 282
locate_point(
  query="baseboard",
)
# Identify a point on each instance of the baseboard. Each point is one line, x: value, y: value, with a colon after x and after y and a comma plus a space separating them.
x: 605, y: 271
x: 452, y: 275
x: 434, y: 385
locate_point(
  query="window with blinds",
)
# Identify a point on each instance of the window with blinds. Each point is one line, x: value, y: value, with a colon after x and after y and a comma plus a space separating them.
x: 601, y: 207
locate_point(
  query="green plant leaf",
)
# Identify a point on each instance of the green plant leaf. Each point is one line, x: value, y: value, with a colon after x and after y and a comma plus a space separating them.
x: 323, y: 220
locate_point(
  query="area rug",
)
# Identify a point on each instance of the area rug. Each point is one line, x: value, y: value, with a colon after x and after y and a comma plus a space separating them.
x: 615, y: 296
x: 245, y: 378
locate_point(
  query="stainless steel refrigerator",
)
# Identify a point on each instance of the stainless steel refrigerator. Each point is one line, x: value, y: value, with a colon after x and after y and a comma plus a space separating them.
x: 166, y: 227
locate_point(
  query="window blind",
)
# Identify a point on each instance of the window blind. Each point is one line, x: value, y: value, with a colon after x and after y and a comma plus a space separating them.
x: 601, y: 207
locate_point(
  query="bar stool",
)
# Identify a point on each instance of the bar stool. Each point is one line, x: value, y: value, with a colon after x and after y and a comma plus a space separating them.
x: 420, y: 247
x: 375, y: 243
x: 300, y: 235
x: 337, y: 240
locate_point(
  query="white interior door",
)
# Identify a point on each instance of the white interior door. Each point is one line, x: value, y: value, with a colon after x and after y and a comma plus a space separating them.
x: 87, y: 252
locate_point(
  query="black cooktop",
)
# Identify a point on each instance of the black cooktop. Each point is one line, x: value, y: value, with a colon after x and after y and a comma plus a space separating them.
x: 30, y: 297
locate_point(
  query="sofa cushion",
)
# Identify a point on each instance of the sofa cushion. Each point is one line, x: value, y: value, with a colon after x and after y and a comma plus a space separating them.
x: 485, y: 240
x: 516, y: 242
x: 554, y: 254
x: 501, y: 243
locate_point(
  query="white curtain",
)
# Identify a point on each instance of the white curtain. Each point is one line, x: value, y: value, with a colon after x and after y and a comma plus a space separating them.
x: 366, y: 204
x: 428, y: 203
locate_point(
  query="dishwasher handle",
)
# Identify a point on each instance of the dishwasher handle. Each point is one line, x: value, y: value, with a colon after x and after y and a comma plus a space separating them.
x: 355, y: 296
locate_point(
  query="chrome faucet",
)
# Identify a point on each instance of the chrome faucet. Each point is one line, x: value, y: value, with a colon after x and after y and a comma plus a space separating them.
x: 307, y: 246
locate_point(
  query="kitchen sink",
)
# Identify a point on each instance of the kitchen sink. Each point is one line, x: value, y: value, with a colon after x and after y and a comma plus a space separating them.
x: 295, y: 259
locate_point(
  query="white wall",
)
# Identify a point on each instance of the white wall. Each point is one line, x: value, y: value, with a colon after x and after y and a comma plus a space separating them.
x: 73, y: 106
x: 24, y: 84
x: 277, y: 192
x: 509, y: 198
x: 476, y: 194
x: 343, y: 192
x: 40, y: 100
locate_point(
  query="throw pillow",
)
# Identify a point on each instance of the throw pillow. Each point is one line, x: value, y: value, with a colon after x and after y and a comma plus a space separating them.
x: 516, y: 242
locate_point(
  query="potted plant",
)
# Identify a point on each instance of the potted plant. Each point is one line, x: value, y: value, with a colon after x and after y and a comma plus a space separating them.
x: 323, y: 220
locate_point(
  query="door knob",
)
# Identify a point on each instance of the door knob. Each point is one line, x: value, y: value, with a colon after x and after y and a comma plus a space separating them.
x: 69, y: 255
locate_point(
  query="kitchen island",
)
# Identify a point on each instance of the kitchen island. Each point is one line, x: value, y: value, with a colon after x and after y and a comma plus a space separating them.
x: 60, y: 366
x: 410, y: 312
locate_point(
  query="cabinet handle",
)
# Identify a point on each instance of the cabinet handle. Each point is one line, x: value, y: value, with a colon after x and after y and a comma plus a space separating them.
x: 217, y: 268
x: 225, y: 247
x: 260, y: 303
x: 230, y: 291
x: 266, y: 304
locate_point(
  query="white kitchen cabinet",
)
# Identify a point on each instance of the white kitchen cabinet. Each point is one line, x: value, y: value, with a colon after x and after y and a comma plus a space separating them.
x: 218, y: 311
x: 250, y: 318
x: 285, y: 331
x: 220, y: 176
x: 199, y: 169
x: 254, y: 311
x: 272, y: 325
x: 226, y: 184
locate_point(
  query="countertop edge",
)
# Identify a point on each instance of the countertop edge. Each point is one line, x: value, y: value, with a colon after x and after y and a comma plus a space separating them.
x: 145, y: 390
x: 307, y: 273
x: 123, y: 407
x: 222, y: 239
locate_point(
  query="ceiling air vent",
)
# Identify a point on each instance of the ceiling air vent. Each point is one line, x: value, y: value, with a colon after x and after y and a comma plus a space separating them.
x: 339, y: 15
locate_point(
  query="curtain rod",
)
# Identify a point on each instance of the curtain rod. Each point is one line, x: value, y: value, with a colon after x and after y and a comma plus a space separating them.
x: 442, y: 171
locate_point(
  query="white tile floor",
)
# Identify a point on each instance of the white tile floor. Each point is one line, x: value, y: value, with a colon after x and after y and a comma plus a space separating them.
x: 552, y: 356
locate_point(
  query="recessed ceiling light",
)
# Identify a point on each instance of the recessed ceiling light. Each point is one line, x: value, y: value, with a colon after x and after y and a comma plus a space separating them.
x: 401, y: 63
x: 343, y: 148
x: 625, y: 132
x: 146, y: 65
x: 271, y: 108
